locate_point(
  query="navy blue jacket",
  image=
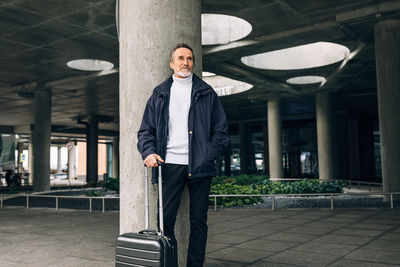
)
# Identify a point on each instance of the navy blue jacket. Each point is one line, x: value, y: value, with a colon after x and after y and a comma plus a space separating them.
x: 207, y: 125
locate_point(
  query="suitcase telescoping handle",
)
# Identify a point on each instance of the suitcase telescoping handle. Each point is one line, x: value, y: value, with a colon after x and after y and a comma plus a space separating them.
x: 146, y: 196
x: 160, y: 199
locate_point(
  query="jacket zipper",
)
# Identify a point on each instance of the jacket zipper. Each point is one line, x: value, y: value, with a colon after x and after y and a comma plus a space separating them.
x: 196, y: 98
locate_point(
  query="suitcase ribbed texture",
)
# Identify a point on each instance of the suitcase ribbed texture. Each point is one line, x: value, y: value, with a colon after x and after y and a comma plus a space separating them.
x: 135, y: 249
x: 147, y: 248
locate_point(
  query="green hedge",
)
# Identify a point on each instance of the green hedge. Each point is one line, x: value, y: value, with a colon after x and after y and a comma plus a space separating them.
x: 93, y: 193
x: 248, y: 184
x: 112, y: 184
x: 233, y: 189
x: 300, y: 187
x: 255, y: 184
x: 242, y: 179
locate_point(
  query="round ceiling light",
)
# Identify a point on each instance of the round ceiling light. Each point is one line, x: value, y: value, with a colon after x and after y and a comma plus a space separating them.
x: 299, y: 57
x: 207, y: 74
x: 306, y: 80
x: 222, y: 29
x: 90, y: 64
x: 224, y: 86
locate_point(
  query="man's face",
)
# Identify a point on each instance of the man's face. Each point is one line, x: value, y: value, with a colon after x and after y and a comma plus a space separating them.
x: 182, y: 62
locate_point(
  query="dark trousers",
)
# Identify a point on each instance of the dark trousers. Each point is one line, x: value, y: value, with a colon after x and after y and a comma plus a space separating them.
x: 175, y: 177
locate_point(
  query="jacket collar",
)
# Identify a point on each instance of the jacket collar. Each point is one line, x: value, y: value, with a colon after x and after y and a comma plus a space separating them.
x: 198, y: 86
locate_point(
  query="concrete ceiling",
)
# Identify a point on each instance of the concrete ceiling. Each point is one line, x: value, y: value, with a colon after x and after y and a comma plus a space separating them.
x: 38, y: 38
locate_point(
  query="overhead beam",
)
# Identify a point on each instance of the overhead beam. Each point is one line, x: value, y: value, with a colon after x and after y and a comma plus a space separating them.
x: 295, y: 34
x: 366, y: 12
x: 55, y: 83
x: 333, y: 76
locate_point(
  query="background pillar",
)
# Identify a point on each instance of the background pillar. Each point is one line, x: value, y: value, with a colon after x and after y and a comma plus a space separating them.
x: 71, y: 161
x: 59, y: 167
x: 353, y: 148
x: 92, y: 152
x: 265, y: 149
x: 387, y: 43
x: 324, y: 136
x: 148, y: 31
x: 20, y: 149
x: 115, y: 157
x: 244, y: 148
x: 30, y: 158
x: 275, y: 139
x: 42, y: 132
x: 227, y: 162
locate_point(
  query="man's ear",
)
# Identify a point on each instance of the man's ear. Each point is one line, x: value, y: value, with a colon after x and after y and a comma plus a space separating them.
x: 171, y: 65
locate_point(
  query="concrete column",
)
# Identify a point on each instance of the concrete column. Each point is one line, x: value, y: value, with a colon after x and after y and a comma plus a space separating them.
x: 30, y: 158
x: 20, y: 148
x: 148, y: 31
x: 92, y: 152
x: 227, y: 159
x: 367, y: 156
x: 59, y: 167
x: 71, y: 161
x: 294, y: 163
x: 275, y: 139
x: 218, y: 165
x: 353, y: 149
x: 342, y: 147
x: 244, y: 148
x: 265, y: 149
x: 324, y: 136
x: 115, y: 157
x: 387, y: 43
x: 42, y: 132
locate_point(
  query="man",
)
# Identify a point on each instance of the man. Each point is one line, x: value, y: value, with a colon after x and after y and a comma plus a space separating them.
x: 185, y: 127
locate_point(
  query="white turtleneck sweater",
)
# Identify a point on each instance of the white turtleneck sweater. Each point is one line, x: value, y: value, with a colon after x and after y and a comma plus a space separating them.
x: 178, y: 136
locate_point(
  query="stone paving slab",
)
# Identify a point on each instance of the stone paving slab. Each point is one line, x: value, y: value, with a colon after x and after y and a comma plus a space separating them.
x: 343, y: 239
x: 358, y: 232
x: 241, y: 255
x: 351, y: 263
x: 272, y: 264
x: 270, y: 245
x: 384, y: 244
x: 324, y: 248
x: 250, y: 232
x: 237, y: 237
x: 229, y: 238
x: 303, y: 258
x: 375, y: 255
x: 306, y: 229
x: 289, y: 237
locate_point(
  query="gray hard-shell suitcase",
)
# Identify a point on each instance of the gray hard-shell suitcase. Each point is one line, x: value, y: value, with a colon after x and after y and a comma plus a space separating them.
x: 148, y: 247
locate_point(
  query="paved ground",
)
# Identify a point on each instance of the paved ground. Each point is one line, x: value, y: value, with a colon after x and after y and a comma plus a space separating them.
x: 240, y: 237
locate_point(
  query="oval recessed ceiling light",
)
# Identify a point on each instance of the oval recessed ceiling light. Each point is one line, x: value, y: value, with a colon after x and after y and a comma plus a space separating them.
x: 222, y: 29
x: 299, y: 57
x: 306, y: 80
x: 90, y: 64
x: 207, y: 74
x: 224, y: 86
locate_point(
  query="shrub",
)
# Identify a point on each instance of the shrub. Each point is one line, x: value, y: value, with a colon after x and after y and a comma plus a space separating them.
x: 93, y: 193
x: 232, y: 189
x: 112, y: 184
x: 242, y: 179
x: 301, y: 187
x: 248, y: 184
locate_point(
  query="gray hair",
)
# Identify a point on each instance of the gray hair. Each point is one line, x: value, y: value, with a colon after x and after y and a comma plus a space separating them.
x: 180, y: 45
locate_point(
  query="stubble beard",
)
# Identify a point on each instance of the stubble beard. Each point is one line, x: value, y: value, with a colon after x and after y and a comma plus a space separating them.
x: 184, y: 73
